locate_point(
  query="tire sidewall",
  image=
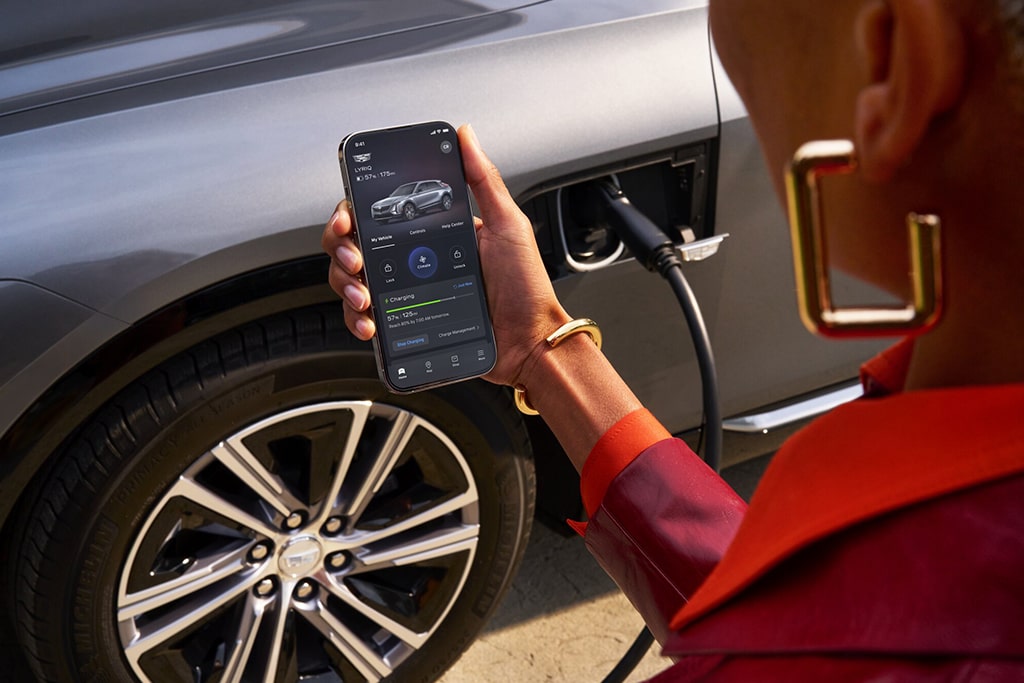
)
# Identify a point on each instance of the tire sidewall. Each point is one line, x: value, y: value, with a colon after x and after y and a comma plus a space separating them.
x: 245, y: 396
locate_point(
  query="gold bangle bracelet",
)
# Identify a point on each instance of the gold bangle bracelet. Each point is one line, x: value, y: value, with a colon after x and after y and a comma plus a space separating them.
x: 584, y: 325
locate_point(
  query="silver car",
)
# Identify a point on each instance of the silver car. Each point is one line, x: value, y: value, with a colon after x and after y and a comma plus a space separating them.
x: 411, y: 199
x: 201, y: 478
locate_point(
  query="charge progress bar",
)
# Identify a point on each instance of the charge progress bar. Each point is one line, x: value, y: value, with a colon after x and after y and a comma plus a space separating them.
x: 427, y: 303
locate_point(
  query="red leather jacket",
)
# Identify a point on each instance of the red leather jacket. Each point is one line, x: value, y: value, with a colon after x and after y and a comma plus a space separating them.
x: 885, y: 542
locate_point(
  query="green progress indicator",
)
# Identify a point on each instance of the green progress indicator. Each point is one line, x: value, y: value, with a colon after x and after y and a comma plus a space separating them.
x: 425, y: 303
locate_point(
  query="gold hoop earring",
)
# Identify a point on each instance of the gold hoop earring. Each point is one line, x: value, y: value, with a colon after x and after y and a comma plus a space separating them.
x: 810, y: 255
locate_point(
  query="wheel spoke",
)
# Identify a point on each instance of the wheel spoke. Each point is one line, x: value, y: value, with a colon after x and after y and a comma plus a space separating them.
x: 243, y: 464
x: 245, y: 637
x: 430, y: 547
x: 277, y: 641
x: 406, y: 635
x: 360, y: 413
x: 436, y: 512
x: 189, y: 488
x: 191, y: 612
x: 371, y: 665
x: 204, y: 572
x: 401, y: 431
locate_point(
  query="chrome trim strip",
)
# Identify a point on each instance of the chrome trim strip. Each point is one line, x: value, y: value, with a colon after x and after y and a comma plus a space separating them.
x: 780, y: 417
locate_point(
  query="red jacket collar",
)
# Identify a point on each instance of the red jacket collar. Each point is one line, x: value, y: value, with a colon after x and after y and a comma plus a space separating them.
x: 864, y: 459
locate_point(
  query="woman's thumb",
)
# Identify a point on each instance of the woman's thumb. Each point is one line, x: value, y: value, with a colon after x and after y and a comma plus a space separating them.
x: 484, y: 180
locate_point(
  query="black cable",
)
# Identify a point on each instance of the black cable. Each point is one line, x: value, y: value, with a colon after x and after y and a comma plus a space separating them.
x: 706, y: 363
x: 632, y: 657
x: 654, y: 249
x: 673, y: 272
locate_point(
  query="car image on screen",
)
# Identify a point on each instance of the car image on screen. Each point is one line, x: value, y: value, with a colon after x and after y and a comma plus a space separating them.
x: 410, y: 199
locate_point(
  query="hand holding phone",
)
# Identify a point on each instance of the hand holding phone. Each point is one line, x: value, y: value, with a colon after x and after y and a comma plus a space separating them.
x: 414, y: 228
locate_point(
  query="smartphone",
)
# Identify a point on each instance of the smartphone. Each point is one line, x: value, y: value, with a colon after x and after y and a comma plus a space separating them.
x: 414, y: 226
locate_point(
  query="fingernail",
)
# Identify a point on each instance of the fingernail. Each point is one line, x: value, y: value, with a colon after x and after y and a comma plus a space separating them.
x: 472, y: 134
x: 364, y: 327
x: 355, y: 297
x: 348, y: 258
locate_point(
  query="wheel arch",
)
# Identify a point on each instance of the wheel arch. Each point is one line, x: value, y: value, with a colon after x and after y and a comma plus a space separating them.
x: 55, y: 417
x: 201, y: 315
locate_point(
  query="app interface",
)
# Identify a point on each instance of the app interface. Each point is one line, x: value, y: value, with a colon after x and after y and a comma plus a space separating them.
x: 416, y: 232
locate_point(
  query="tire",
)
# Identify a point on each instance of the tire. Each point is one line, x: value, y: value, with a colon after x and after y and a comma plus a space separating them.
x: 446, y: 202
x: 260, y: 503
x: 409, y: 211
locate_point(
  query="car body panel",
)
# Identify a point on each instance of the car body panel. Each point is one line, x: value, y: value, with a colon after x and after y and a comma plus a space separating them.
x: 121, y: 201
x: 43, y: 335
x: 54, y: 56
x: 156, y: 199
x: 33, y: 319
x: 183, y: 179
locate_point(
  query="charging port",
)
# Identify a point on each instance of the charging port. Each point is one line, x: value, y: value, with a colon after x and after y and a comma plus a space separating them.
x: 672, y: 189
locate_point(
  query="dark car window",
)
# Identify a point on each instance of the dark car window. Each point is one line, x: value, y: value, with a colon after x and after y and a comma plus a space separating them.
x: 403, y: 190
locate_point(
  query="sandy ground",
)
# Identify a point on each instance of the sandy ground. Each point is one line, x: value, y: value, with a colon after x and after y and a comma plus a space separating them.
x: 563, y: 618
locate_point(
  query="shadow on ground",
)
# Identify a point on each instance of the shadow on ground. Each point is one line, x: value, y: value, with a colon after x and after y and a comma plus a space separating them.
x: 558, y: 572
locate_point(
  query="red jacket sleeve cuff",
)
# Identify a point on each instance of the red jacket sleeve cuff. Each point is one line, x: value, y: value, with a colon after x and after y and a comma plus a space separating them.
x: 619, y: 446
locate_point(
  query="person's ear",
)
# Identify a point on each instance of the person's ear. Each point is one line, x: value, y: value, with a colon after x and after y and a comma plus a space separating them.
x: 914, y: 56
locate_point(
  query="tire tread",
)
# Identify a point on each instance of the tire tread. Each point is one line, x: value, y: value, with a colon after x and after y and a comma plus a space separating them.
x: 109, y: 439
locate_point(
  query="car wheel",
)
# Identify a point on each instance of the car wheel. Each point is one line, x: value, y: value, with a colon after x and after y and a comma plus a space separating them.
x: 409, y: 211
x: 446, y: 202
x: 259, y: 508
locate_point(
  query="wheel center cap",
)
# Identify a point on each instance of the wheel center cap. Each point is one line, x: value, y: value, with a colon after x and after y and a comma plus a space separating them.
x: 299, y: 557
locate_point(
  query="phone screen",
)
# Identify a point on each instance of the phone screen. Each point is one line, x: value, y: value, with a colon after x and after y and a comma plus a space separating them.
x: 415, y: 229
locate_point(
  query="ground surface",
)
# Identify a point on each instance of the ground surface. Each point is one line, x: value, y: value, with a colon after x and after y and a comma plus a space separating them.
x: 563, y: 619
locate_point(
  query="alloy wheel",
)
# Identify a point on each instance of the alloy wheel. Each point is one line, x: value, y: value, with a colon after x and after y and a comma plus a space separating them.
x: 333, y: 537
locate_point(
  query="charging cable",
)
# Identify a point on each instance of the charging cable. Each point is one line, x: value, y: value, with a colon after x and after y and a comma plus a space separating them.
x: 656, y: 251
